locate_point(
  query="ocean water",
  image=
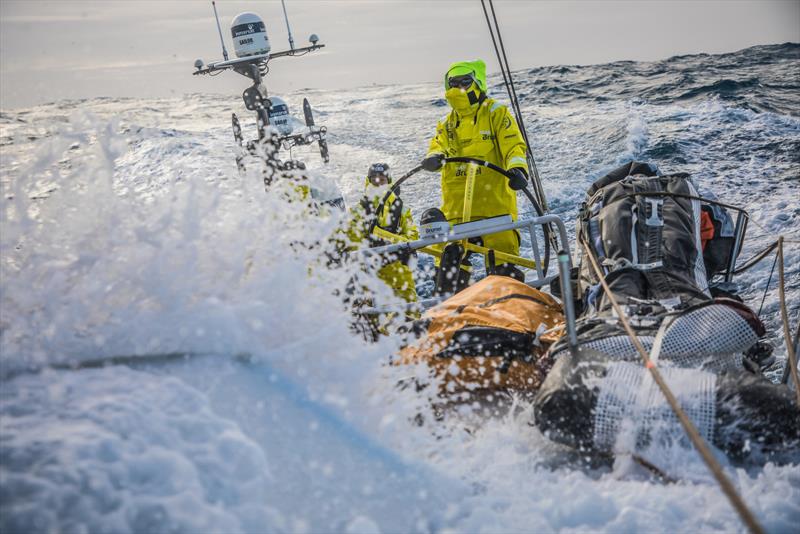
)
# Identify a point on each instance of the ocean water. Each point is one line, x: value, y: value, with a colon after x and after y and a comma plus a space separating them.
x: 172, y: 360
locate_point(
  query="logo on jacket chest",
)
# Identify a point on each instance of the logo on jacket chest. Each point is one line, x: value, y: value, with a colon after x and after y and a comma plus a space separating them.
x: 483, y: 135
x: 462, y: 171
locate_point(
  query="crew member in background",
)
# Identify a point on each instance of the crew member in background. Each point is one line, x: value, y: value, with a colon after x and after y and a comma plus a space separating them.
x: 481, y: 128
x: 395, y: 219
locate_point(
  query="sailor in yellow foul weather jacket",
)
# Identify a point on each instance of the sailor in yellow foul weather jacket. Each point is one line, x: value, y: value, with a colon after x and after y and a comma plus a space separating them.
x: 481, y: 128
x: 395, y: 219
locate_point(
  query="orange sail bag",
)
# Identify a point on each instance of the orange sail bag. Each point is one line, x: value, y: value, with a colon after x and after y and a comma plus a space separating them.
x: 491, y: 336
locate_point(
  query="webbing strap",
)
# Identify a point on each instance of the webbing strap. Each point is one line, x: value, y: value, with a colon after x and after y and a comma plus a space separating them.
x: 655, y: 350
x: 469, y: 192
x: 650, y: 233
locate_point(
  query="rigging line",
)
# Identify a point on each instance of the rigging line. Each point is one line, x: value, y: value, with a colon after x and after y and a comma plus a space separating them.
x: 762, y: 227
x: 752, y: 262
x: 497, y: 52
x: 508, y: 82
x: 785, y: 318
x: 513, y: 89
x: 766, y: 288
x: 697, y: 440
x: 756, y: 258
x: 500, y: 61
x: 504, y: 63
x: 505, y: 70
x: 678, y: 195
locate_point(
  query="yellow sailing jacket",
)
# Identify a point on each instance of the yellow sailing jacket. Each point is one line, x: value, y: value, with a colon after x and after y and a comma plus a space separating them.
x: 490, y: 134
x: 396, y: 219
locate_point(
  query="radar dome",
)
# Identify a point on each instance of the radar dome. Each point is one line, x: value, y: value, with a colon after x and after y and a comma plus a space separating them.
x: 249, y: 35
x: 279, y: 116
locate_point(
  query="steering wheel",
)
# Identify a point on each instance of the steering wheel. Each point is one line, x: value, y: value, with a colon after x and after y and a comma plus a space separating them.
x: 473, y: 161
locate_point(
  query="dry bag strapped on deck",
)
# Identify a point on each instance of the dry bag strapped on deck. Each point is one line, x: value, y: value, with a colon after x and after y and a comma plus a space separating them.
x: 595, y: 403
x: 489, y: 337
x: 645, y: 234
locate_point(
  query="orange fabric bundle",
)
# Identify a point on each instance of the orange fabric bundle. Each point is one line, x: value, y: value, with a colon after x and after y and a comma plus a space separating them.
x: 473, y: 332
x: 706, y: 228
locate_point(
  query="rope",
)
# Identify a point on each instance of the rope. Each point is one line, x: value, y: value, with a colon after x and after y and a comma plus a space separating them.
x: 785, y: 319
x: 795, y: 343
x: 757, y: 258
x: 653, y: 468
x: 792, y: 356
x: 697, y: 440
x: 766, y: 289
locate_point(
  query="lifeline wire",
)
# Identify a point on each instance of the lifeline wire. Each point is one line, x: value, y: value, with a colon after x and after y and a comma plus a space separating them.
x: 699, y: 443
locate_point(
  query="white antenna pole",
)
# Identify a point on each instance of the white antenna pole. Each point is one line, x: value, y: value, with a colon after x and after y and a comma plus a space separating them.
x: 289, y: 30
x: 221, y: 40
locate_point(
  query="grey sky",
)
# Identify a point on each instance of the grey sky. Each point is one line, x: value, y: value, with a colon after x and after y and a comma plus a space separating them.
x: 144, y: 48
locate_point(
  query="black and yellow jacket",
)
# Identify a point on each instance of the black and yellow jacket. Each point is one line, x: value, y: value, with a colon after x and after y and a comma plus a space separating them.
x: 395, y: 219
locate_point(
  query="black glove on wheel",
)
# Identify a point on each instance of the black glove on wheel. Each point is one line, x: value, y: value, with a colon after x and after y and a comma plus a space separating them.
x: 519, y: 180
x: 433, y: 163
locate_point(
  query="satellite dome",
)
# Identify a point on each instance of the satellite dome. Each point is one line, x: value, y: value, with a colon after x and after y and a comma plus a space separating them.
x: 249, y: 35
x: 279, y: 115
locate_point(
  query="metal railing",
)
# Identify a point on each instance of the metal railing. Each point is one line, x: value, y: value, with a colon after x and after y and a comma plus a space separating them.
x: 465, y: 231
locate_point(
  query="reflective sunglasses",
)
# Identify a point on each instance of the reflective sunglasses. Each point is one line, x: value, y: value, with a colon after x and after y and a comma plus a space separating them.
x: 463, y: 81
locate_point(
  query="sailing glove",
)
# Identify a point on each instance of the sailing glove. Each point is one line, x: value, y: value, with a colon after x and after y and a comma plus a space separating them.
x: 518, y: 179
x: 433, y: 162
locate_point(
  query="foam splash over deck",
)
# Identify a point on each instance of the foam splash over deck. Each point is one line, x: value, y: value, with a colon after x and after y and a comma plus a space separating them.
x: 126, y: 231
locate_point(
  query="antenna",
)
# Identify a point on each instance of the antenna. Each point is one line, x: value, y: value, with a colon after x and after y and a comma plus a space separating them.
x: 221, y: 40
x: 289, y: 30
